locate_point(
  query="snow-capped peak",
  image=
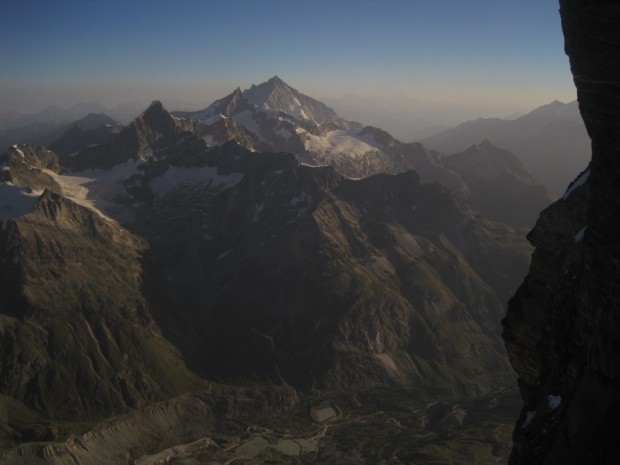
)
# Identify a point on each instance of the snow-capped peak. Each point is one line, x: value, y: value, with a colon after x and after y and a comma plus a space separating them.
x: 276, y: 94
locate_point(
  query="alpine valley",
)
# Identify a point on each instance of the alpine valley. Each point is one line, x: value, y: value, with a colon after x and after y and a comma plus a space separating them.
x: 260, y: 281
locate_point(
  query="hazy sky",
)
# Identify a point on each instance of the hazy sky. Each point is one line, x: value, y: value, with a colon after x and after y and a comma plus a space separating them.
x: 476, y: 51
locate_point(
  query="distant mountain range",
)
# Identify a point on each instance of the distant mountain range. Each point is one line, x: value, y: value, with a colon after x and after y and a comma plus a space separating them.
x: 123, y: 113
x: 90, y: 130
x: 552, y: 133
x: 275, y: 117
x: 46, y: 126
x: 411, y: 119
x: 551, y: 141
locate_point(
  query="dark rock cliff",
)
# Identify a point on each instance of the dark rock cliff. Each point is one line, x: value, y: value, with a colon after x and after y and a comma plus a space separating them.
x: 562, y: 330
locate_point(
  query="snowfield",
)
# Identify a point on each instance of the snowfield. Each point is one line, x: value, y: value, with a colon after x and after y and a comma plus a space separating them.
x: 246, y: 118
x: 284, y: 133
x: 99, y: 190
x: 339, y: 141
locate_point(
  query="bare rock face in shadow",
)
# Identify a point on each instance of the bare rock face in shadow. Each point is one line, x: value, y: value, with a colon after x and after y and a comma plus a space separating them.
x: 562, y: 328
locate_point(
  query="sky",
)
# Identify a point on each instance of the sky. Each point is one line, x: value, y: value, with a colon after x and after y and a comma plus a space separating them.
x: 503, y: 53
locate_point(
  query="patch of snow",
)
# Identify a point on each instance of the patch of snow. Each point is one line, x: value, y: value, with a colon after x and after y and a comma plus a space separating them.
x: 296, y: 101
x: 16, y: 201
x: 313, y: 166
x: 19, y: 152
x: 99, y: 190
x: 246, y: 118
x: 579, y: 236
x: 213, y: 119
x: 179, y: 176
x: 271, y: 114
x: 284, y: 133
x: 580, y: 181
x: 554, y: 401
x: 300, y: 130
x: 529, y: 416
x: 223, y: 254
x: 339, y: 141
x: 302, y: 114
x: 209, y: 140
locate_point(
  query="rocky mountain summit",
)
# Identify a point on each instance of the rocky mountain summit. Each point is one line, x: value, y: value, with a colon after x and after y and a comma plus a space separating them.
x: 90, y: 130
x: 275, y: 94
x: 498, y: 184
x: 275, y: 117
x: 133, y: 141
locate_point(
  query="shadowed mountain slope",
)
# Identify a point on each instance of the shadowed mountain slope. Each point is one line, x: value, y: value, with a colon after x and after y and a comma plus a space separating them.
x: 550, y: 141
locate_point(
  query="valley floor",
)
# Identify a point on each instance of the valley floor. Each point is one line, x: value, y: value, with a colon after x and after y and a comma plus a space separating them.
x: 275, y: 426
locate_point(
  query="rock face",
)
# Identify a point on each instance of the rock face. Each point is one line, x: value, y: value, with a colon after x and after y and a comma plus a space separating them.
x: 275, y: 94
x: 133, y: 141
x: 24, y: 167
x: 562, y: 329
x: 77, y: 338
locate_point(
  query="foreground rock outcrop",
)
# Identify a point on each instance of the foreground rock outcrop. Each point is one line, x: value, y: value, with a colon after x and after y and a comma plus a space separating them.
x: 562, y: 330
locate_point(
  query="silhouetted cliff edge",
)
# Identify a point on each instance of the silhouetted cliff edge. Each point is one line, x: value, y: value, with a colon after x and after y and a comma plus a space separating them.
x: 562, y: 330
